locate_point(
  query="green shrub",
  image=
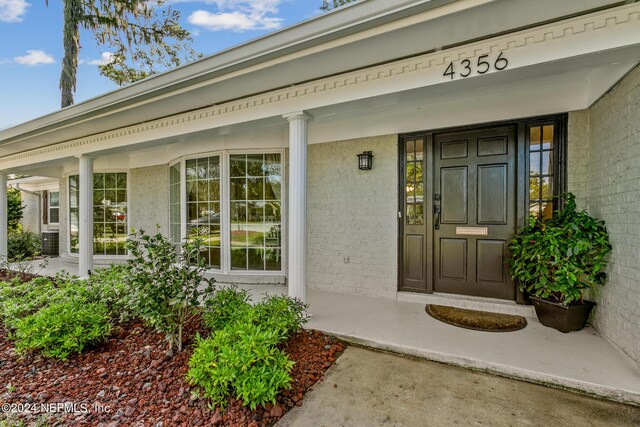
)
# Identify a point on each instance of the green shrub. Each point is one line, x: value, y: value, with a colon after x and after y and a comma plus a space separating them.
x: 22, y: 245
x: 559, y: 259
x: 168, y: 281
x: 281, y: 314
x: 227, y: 305
x: 109, y: 286
x: 15, y: 209
x: 242, y: 359
x: 63, y: 328
x: 19, y: 300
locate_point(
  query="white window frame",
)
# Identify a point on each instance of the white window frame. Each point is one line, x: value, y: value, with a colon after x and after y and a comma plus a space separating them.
x: 51, y: 223
x: 225, y: 201
x: 114, y: 257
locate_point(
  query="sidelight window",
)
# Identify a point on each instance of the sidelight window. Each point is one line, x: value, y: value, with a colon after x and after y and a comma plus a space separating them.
x: 543, y: 167
x: 414, y: 159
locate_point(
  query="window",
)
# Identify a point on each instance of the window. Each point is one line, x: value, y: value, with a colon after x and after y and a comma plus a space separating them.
x: 203, y: 206
x: 414, y: 150
x: 174, y: 203
x: 109, y: 213
x: 241, y: 230
x: 255, y: 211
x: 544, y: 169
x: 54, y: 207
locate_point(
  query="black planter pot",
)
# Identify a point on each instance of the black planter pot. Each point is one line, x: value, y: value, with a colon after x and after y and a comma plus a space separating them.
x: 560, y: 317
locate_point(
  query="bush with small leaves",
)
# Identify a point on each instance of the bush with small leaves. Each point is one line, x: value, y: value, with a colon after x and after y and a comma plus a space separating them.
x: 281, y: 314
x: 23, y: 245
x: 169, y: 281
x: 242, y: 357
x: 226, y: 306
x: 63, y: 328
x: 242, y: 360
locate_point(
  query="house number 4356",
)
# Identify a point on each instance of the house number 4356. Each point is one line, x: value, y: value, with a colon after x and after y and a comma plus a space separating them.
x: 481, y: 66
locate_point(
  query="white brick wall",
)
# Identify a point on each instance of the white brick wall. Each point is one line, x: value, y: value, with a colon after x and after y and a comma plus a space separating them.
x: 612, y: 173
x: 352, y: 213
x: 578, y: 156
x: 31, y: 213
x: 149, y: 198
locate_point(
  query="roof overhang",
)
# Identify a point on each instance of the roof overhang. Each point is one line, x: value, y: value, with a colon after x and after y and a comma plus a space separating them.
x: 357, y: 37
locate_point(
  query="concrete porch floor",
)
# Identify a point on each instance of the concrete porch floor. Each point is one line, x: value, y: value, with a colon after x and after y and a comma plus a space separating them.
x: 582, y: 361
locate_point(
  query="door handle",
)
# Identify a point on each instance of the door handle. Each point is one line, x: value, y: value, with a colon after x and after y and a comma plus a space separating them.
x: 436, y: 210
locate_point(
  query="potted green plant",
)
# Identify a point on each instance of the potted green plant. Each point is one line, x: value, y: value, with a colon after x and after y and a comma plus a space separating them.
x: 556, y: 260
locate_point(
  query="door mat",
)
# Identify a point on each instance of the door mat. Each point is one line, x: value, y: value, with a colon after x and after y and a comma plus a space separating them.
x: 476, y: 320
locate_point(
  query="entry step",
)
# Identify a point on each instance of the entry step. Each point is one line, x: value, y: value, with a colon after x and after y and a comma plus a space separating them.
x: 472, y: 303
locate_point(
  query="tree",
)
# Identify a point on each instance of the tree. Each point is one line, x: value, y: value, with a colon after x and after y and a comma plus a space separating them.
x: 328, y: 5
x: 14, y: 208
x: 142, y: 36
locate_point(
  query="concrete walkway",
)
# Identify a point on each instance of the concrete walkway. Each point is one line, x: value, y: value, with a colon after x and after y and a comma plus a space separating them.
x: 367, y: 388
x: 581, y: 360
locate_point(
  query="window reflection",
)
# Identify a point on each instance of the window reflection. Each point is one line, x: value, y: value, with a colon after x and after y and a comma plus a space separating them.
x: 414, y: 212
x: 109, y: 213
x: 541, y: 170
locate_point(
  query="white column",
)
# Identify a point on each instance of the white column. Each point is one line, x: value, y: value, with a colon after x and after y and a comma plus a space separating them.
x: 85, y: 204
x: 297, y: 278
x: 4, y: 228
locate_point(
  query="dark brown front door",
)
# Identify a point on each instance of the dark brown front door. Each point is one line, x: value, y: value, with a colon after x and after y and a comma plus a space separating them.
x: 474, y: 204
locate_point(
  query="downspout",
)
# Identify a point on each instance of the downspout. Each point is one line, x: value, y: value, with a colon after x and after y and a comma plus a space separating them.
x: 38, y: 195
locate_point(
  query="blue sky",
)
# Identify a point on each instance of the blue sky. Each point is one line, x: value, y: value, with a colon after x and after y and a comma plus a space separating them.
x: 31, y: 47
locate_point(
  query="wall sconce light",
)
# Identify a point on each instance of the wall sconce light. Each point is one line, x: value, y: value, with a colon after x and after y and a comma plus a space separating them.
x: 365, y: 161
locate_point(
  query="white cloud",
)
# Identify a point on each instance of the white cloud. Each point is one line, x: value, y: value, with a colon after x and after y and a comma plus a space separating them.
x: 105, y: 57
x: 238, y: 15
x: 35, y: 57
x: 13, y: 10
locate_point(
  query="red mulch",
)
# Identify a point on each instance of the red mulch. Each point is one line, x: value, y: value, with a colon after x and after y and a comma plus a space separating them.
x: 132, y: 376
x: 6, y: 275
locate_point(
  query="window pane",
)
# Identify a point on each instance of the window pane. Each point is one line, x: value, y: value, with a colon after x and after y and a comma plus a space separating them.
x: 109, y: 180
x: 238, y: 188
x: 547, y: 189
x: 255, y: 164
x: 534, y: 138
x: 239, y: 259
x: 547, y: 137
x: 547, y: 157
x: 122, y: 181
x: 534, y: 189
x: 410, y: 149
x: 256, y: 259
x: 272, y: 259
x: 54, y: 215
x: 534, y: 163
x: 272, y: 188
x: 190, y: 169
x: 255, y: 187
x: 238, y: 165
x: 54, y: 199
x: 192, y: 191
x: 98, y: 180
x: 419, y: 150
